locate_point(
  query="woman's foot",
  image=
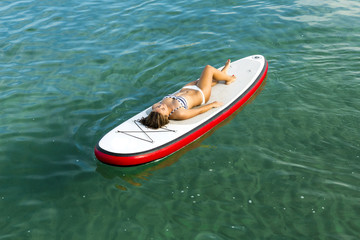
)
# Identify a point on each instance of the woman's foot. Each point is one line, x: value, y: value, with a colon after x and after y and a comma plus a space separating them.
x: 231, y: 79
x: 226, y: 67
x: 224, y: 70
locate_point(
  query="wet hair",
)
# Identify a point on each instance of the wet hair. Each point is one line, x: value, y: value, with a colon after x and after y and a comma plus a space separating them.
x: 155, y: 120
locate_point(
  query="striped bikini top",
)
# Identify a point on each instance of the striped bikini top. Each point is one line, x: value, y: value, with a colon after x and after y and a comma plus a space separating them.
x: 182, y: 101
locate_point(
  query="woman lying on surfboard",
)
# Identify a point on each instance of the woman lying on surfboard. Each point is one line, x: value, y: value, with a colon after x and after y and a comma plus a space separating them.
x: 180, y: 106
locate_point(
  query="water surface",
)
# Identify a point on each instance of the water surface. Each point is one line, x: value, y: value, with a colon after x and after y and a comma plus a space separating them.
x: 285, y: 167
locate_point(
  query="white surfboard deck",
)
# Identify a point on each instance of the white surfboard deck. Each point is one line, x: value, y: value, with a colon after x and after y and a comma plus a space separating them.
x: 128, y: 138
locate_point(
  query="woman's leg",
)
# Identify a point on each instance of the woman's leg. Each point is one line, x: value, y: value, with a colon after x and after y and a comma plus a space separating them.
x: 211, y: 75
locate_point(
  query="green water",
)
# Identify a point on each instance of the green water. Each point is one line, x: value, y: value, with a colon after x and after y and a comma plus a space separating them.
x: 285, y: 167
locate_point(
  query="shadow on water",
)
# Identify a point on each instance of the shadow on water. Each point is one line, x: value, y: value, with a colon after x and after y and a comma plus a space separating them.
x: 133, y: 175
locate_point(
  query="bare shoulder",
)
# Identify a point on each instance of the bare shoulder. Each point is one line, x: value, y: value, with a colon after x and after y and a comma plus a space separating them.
x: 179, y: 114
x: 186, y: 113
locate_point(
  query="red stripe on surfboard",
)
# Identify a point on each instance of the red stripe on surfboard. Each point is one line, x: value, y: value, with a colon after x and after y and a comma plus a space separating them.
x: 166, y: 151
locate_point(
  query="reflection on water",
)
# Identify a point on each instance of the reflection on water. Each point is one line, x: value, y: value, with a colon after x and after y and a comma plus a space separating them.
x: 286, y: 168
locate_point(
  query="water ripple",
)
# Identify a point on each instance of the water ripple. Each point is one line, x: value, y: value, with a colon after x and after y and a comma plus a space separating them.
x: 72, y: 70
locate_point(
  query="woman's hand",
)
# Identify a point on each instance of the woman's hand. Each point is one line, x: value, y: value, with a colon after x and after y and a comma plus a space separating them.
x: 216, y: 104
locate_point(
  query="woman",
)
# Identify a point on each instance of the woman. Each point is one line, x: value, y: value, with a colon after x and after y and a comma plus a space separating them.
x: 179, y: 106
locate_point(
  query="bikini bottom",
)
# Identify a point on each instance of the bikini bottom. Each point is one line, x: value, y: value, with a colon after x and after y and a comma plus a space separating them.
x: 194, y: 87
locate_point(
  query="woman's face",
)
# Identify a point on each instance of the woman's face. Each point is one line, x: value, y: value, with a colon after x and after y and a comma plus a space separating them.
x: 160, y: 108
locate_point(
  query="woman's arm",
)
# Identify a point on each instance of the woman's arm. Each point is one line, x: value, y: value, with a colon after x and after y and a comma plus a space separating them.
x: 189, y: 113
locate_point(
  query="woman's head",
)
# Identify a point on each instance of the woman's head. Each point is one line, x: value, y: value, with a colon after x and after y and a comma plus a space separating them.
x: 155, y: 120
x: 161, y: 108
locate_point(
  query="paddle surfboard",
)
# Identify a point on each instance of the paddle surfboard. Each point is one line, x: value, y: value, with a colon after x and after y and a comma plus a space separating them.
x: 131, y: 143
